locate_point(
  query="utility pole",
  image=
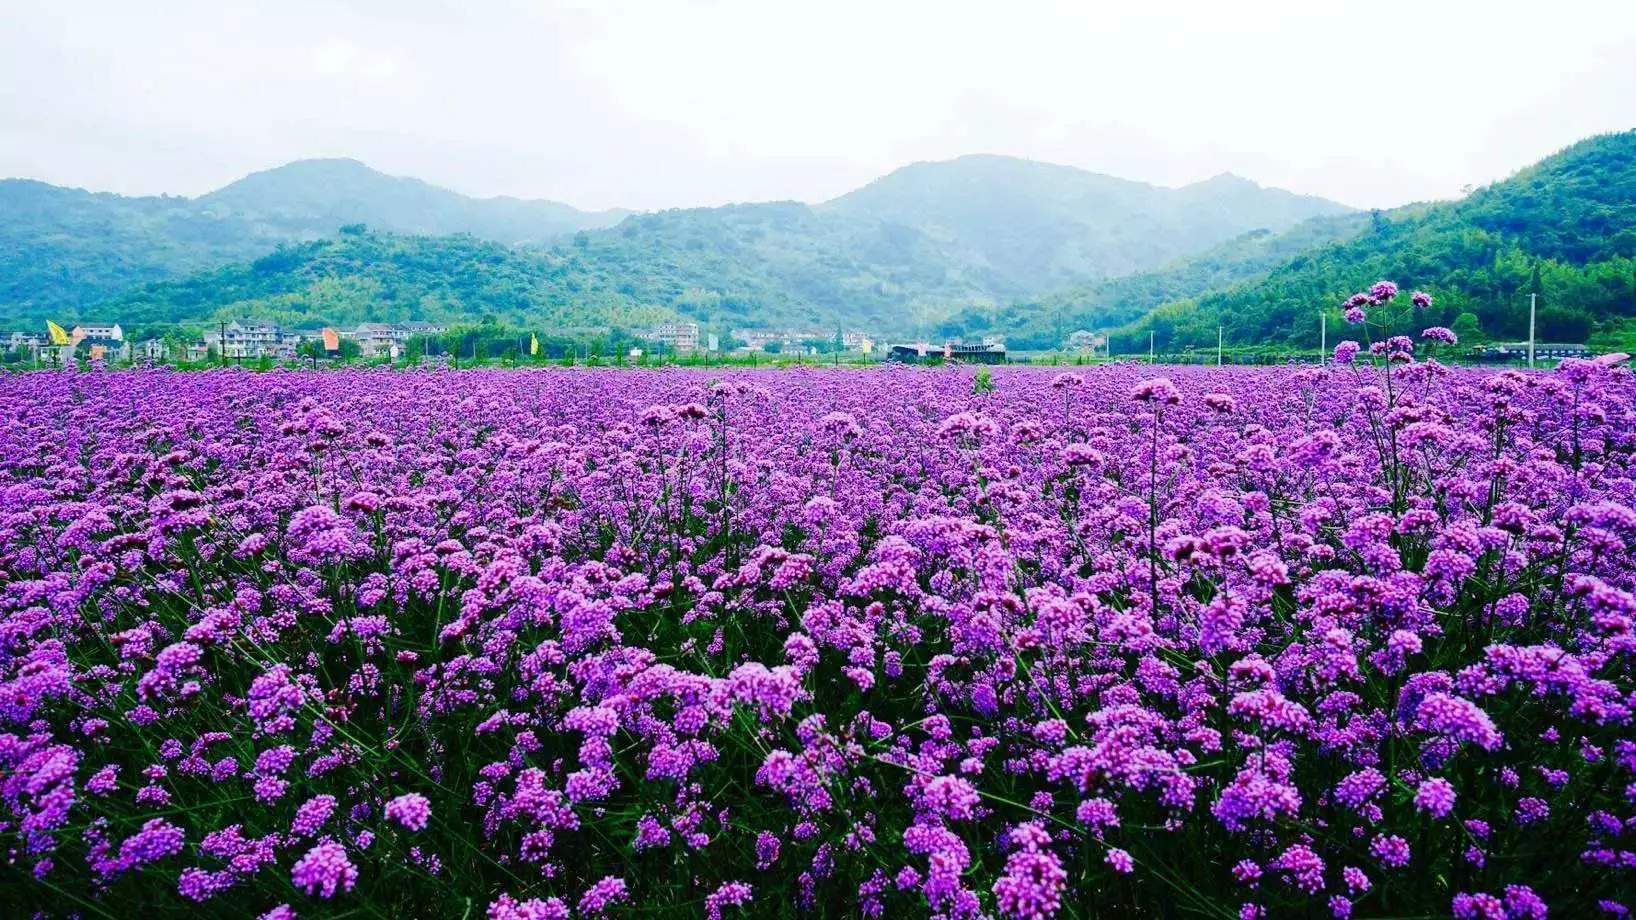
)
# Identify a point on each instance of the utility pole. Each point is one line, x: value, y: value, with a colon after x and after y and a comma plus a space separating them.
x: 1323, y: 338
x: 221, y: 341
x: 1151, y: 359
x: 1533, y: 302
x: 1218, y: 346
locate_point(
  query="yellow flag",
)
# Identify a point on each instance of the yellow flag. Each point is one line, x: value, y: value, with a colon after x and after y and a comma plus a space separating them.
x: 59, y: 335
x: 533, y: 344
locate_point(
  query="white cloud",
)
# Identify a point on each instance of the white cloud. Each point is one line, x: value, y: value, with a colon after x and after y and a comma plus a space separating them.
x: 653, y: 103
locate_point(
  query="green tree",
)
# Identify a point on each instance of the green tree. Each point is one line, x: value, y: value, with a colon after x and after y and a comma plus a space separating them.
x: 1562, y: 324
x: 1467, y: 328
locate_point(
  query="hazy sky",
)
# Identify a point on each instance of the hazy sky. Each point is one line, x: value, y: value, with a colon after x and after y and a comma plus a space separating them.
x: 664, y: 103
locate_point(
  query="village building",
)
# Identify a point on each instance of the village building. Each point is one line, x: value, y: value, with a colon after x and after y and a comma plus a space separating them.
x: 680, y: 338
x: 23, y: 339
x: 417, y: 329
x: 246, y: 339
x: 1085, y: 342
x: 373, y: 339
x: 101, y: 331
x: 921, y: 352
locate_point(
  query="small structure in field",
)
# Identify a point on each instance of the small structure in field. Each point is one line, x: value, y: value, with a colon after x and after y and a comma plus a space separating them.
x: 921, y: 352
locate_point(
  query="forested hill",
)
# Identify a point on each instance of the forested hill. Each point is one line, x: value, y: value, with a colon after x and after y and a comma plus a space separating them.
x: 1043, y: 323
x: 311, y: 198
x: 63, y: 250
x: 1032, y: 227
x: 971, y: 246
x: 655, y: 270
x: 1564, y: 228
x: 898, y: 255
x: 367, y: 276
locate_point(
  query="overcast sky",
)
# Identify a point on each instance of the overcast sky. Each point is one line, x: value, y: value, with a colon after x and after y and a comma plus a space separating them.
x: 668, y: 103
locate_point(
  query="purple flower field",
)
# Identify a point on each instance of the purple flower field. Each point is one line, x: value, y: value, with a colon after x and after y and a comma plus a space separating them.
x: 1352, y: 641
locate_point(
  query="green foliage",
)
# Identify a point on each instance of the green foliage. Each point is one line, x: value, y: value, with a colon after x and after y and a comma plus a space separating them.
x: 309, y: 198
x: 1616, y: 335
x: 347, y: 351
x: 1468, y: 328
x: 1562, y: 229
x: 897, y: 256
x: 1021, y: 228
x: 972, y: 246
x: 983, y: 382
x: 380, y: 277
x: 919, y: 243
x: 63, y: 250
x: 1045, y: 323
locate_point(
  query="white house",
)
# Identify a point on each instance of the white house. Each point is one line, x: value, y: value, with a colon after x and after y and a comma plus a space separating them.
x: 244, y: 338
x: 97, y: 331
x: 1087, y: 342
x: 373, y: 339
x: 681, y: 337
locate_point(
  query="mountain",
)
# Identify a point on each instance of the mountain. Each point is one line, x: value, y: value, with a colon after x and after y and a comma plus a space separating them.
x: 974, y: 245
x: 1043, y: 323
x: 897, y: 255
x: 723, y: 267
x: 310, y: 198
x: 64, y: 250
x: 778, y: 264
x: 785, y: 263
x: 922, y: 242
x: 1563, y: 229
x: 368, y: 276
x: 1031, y: 227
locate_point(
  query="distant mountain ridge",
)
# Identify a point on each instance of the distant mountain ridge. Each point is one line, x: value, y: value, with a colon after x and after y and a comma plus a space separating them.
x: 315, y: 197
x: 63, y: 250
x: 1040, y: 226
x: 1045, y: 322
x: 366, y: 276
x: 898, y: 254
x: 1563, y: 229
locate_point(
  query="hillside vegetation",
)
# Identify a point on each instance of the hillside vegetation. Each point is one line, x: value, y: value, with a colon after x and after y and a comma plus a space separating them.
x: 63, y: 251
x: 365, y: 276
x: 1564, y: 229
x: 1045, y: 322
x: 1026, y: 228
x: 899, y: 255
x: 314, y: 197
x: 974, y: 246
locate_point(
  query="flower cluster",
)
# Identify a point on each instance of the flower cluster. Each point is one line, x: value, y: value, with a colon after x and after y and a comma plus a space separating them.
x: 1348, y: 641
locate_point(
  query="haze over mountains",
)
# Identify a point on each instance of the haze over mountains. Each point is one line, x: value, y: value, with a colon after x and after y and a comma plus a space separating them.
x: 971, y: 246
x: 1038, y: 226
x: 920, y: 242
